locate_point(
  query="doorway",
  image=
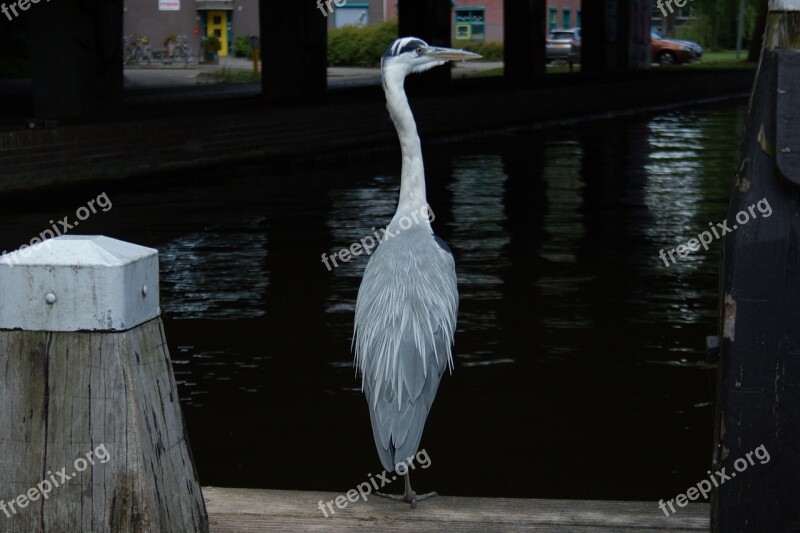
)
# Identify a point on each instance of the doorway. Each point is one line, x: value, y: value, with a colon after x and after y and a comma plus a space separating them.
x: 217, y: 25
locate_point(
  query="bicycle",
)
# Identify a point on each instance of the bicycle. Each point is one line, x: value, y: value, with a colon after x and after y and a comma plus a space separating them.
x: 183, y: 51
x: 135, y: 50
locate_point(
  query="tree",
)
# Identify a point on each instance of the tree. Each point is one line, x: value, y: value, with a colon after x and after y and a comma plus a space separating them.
x: 757, y: 40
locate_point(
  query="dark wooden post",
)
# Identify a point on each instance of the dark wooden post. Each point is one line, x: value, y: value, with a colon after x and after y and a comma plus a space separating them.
x: 76, y: 57
x: 91, y: 432
x: 757, y: 421
x: 430, y: 20
x: 616, y: 35
x: 294, y: 48
x: 524, y: 39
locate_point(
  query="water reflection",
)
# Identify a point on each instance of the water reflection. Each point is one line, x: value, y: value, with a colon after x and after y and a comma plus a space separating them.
x: 356, y: 213
x: 198, y: 266
x: 477, y: 238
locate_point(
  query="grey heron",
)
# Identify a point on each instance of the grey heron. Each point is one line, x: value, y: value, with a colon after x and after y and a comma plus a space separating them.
x: 407, y: 304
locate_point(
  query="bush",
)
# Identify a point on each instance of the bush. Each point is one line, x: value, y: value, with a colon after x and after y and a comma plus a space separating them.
x: 14, y: 68
x: 490, y: 51
x: 14, y: 62
x: 241, y: 46
x: 350, y: 46
x: 172, y: 38
x: 211, y: 44
x: 699, y: 31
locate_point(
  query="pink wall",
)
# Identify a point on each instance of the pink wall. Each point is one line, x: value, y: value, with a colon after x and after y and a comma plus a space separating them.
x: 493, y: 14
x: 574, y: 7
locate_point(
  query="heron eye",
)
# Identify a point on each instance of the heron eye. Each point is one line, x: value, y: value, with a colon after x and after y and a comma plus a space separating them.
x: 419, y: 51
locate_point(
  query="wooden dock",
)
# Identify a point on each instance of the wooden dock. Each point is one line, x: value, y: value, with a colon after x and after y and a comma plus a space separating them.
x: 244, y: 510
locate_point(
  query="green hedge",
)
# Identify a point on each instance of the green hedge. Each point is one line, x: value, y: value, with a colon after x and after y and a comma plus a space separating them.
x: 363, y: 47
x: 490, y: 51
x: 360, y: 47
x: 14, y: 68
x: 14, y: 61
x: 241, y: 46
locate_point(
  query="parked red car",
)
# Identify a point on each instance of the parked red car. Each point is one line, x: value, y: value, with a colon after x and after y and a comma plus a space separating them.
x: 672, y: 51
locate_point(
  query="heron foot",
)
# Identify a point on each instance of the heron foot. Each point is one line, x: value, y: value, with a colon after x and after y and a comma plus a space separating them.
x: 411, y: 497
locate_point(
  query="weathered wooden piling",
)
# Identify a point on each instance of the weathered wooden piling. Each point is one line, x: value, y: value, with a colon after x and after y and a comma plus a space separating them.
x: 757, y: 431
x: 91, y: 433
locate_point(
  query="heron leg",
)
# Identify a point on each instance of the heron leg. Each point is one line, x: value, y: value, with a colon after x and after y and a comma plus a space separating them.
x: 409, y: 496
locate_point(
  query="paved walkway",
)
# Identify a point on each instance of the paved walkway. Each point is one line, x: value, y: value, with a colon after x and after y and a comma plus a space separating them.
x: 180, y: 75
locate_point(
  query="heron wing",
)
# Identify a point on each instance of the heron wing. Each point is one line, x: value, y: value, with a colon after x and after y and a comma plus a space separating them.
x: 398, y: 429
x: 405, y: 320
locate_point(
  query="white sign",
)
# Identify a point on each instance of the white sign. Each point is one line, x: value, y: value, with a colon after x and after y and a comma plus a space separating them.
x: 169, y: 5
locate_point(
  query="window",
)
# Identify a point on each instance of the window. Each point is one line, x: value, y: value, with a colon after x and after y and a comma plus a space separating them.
x: 351, y: 14
x: 218, y: 33
x: 217, y: 19
x: 679, y: 13
x: 578, y: 19
x: 565, y: 18
x: 470, y: 23
x: 552, y: 18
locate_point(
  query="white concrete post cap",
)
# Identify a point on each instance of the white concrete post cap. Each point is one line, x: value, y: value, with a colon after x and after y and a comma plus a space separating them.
x: 784, y: 5
x: 79, y: 283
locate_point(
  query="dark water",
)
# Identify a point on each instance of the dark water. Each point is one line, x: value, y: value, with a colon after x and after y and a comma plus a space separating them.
x: 579, y: 355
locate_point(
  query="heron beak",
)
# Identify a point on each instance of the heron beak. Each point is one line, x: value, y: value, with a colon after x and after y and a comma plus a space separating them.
x: 451, y: 54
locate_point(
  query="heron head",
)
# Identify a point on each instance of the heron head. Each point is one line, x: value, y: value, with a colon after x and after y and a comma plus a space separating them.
x: 411, y: 55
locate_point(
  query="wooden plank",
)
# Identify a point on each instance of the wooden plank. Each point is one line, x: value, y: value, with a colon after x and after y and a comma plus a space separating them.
x: 244, y: 510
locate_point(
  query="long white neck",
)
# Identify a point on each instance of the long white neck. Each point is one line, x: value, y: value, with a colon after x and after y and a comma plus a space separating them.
x: 412, y: 177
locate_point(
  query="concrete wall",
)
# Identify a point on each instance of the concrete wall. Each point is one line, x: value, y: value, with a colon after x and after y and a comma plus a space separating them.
x: 142, y: 17
x: 245, y: 18
x: 167, y: 139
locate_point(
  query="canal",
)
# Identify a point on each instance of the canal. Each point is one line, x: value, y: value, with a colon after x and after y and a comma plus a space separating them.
x: 579, y: 362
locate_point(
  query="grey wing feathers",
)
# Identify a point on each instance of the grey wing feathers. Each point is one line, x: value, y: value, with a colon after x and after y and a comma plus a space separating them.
x: 398, y: 431
x: 405, y: 321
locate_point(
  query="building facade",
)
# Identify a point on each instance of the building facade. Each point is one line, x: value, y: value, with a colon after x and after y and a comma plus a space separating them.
x: 473, y: 20
x: 563, y: 14
x: 362, y: 13
x: 158, y: 19
x: 478, y: 20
